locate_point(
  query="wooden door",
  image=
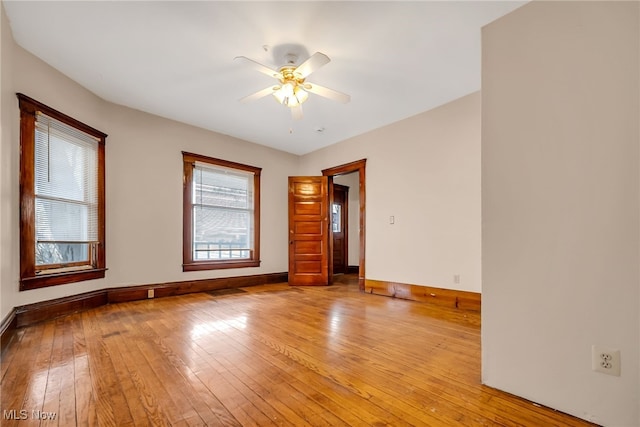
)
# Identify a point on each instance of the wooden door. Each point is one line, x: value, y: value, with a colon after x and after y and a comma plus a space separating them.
x: 308, y: 230
x: 339, y: 227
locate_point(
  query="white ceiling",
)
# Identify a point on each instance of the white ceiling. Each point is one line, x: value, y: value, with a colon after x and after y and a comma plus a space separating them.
x: 176, y: 59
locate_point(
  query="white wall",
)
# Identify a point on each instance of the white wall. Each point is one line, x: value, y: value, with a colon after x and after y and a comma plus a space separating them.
x: 143, y: 183
x: 561, y: 205
x: 425, y: 171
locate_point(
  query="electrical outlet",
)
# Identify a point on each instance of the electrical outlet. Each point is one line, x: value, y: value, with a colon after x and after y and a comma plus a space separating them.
x: 150, y: 293
x: 605, y: 360
x: 456, y: 279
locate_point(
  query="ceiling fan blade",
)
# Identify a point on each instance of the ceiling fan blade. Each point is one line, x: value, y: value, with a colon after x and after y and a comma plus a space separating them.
x: 259, y: 94
x: 296, y: 112
x: 316, y: 61
x: 258, y: 66
x: 327, y: 93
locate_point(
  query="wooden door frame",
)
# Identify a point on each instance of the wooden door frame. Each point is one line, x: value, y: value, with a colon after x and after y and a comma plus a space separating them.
x: 357, y: 166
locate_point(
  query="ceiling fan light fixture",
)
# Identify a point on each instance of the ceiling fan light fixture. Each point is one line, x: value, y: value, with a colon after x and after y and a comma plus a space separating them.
x: 290, y: 95
x: 301, y: 94
x: 284, y: 93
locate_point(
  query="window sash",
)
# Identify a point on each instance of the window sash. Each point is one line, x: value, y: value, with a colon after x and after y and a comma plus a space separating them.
x: 66, y: 202
x: 221, y: 214
x: 62, y: 210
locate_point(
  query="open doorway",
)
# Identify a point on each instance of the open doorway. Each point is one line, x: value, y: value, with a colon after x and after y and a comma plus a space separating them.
x: 340, y: 228
x: 352, y: 175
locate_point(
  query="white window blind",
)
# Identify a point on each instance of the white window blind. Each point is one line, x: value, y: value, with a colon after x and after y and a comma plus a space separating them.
x: 222, y: 213
x: 66, y: 193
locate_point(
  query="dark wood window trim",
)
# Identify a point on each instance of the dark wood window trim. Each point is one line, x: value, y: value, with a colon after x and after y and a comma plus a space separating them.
x: 29, y: 279
x: 188, y: 263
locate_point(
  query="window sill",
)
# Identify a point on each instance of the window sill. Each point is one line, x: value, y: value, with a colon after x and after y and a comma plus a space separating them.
x: 44, y: 280
x: 219, y: 265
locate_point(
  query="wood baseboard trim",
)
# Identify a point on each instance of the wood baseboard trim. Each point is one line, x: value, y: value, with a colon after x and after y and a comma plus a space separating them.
x: 463, y: 300
x: 8, y: 330
x: 46, y: 310
x: 160, y: 290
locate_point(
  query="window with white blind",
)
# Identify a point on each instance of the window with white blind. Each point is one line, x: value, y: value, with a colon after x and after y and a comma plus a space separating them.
x: 221, y: 214
x: 62, y: 198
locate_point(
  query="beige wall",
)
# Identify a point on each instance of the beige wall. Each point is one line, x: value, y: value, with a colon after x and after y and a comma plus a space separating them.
x: 561, y: 205
x: 424, y: 171
x: 143, y: 183
x: 8, y: 174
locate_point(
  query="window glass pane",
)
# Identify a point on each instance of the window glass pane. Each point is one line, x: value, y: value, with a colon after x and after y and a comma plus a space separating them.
x: 65, y: 167
x: 221, y: 233
x: 336, y: 218
x: 222, y: 188
x: 61, y: 253
x: 63, y: 221
x: 222, y: 214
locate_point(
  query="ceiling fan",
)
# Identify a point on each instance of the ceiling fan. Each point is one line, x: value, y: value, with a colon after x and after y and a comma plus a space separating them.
x: 292, y: 88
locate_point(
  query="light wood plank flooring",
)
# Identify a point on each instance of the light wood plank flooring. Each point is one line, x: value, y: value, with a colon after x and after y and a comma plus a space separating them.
x: 271, y: 355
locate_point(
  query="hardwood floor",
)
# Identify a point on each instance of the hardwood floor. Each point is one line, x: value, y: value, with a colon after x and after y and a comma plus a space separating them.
x: 269, y: 355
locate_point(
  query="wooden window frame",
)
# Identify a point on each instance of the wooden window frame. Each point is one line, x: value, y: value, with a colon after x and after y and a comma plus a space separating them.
x: 29, y: 277
x: 188, y: 263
